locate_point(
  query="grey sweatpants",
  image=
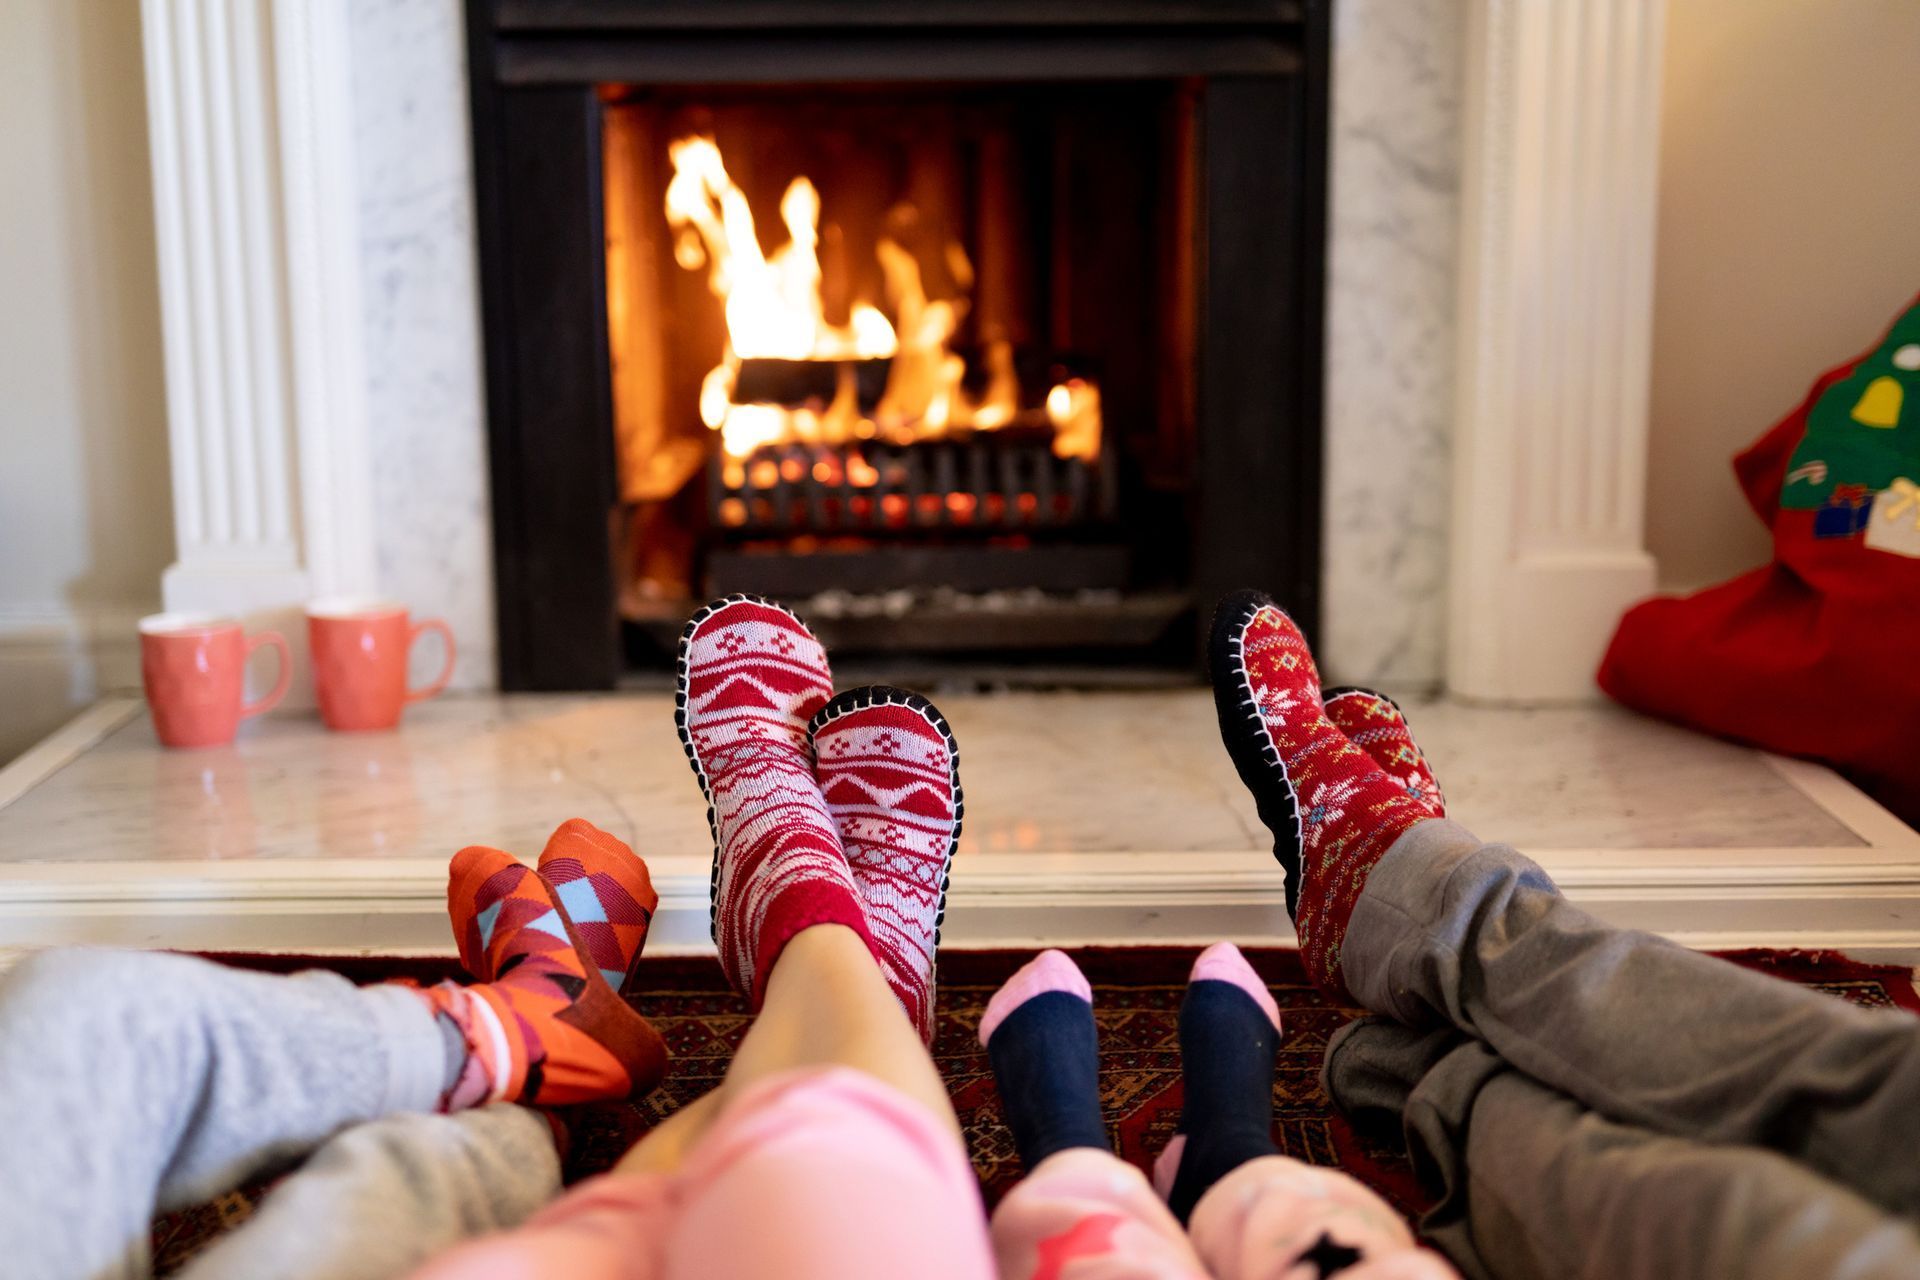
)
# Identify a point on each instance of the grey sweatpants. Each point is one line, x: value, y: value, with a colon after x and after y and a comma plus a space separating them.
x: 1601, y: 1102
x: 132, y: 1082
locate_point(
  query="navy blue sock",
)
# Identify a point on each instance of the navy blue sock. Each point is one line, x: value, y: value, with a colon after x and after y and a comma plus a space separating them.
x: 1227, y: 1050
x: 1046, y: 1060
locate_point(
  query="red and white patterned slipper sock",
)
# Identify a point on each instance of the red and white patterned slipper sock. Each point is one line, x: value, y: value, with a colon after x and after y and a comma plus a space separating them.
x: 750, y: 677
x: 890, y: 770
x: 1334, y: 812
x: 1376, y: 724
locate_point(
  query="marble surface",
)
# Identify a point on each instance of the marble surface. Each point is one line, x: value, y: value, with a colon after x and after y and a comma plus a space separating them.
x: 419, y: 285
x: 1043, y: 773
x: 1391, y: 266
x: 1395, y: 128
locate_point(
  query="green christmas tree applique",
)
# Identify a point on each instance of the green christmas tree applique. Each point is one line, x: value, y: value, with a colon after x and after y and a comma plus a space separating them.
x: 1865, y: 430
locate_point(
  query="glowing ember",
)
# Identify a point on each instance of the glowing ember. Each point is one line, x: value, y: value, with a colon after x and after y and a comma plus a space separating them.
x: 774, y: 311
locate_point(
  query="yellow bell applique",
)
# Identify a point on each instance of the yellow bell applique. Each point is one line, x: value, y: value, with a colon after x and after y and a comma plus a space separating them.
x: 1879, y: 404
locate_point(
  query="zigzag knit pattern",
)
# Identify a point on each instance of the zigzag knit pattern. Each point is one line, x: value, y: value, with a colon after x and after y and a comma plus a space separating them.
x: 889, y: 769
x: 1374, y: 723
x: 1350, y: 810
x: 751, y: 676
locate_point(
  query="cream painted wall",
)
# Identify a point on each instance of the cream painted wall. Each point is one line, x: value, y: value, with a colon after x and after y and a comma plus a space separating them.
x: 1789, y: 237
x: 85, y: 511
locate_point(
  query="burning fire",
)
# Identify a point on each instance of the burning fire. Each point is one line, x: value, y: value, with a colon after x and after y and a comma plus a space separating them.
x: 774, y: 311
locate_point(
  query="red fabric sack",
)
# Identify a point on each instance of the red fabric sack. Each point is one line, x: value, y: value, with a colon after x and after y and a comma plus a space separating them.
x: 1818, y: 653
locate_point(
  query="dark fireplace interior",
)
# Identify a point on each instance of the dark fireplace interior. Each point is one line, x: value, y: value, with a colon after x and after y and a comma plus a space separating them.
x: 985, y: 335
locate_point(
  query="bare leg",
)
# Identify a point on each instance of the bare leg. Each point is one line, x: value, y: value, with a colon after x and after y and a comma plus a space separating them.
x: 827, y: 1005
x: 666, y: 1145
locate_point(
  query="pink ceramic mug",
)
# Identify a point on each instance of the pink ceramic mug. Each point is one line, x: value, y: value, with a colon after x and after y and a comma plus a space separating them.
x: 360, y: 649
x: 195, y: 666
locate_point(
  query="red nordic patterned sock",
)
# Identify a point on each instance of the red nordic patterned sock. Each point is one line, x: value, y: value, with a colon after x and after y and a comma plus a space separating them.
x: 542, y: 1026
x: 1376, y: 724
x: 607, y: 893
x: 890, y: 771
x: 1333, y: 811
x: 750, y: 677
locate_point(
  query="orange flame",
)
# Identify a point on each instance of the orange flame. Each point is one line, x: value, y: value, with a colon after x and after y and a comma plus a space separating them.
x: 773, y: 308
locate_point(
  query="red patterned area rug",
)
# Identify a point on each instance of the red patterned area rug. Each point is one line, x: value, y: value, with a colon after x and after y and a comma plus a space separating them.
x: 1137, y: 998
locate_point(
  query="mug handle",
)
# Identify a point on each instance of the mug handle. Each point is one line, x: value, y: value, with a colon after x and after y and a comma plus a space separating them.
x: 446, y: 672
x: 279, y: 689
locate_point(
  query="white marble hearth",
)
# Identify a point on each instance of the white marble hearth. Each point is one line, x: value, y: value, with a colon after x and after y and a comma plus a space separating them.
x: 1090, y: 817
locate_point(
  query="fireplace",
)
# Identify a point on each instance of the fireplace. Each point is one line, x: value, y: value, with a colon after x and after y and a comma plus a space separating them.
x: 985, y: 333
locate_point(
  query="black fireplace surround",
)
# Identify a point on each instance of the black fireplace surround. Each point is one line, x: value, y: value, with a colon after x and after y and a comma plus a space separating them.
x: 542, y: 73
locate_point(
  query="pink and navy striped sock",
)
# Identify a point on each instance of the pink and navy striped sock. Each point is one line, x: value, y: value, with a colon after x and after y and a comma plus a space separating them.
x: 1229, y: 1036
x: 1039, y: 1034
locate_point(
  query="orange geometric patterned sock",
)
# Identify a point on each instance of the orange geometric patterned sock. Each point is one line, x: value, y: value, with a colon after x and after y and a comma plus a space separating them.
x: 1334, y: 812
x: 1376, y: 724
x: 606, y: 891
x: 543, y: 1026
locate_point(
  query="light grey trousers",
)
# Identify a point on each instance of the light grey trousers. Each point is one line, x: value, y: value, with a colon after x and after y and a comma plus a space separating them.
x: 132, y: 1082
x: 1600, y: 1102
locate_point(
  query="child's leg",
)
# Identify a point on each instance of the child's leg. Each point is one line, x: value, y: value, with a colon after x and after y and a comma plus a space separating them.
x: 1536, y: 1185
x: 1039, y: 1034
x: 1417, y: 919
x: 130, y: 1081
x: 826, y: 1005
x: 1229, y: 1036
x: 136, y: 1081
x: 830, y: 1150
x: 789, y: 919
x: 1253, y: 1212
x: 1080, y: 1210
x: 379, y: 1199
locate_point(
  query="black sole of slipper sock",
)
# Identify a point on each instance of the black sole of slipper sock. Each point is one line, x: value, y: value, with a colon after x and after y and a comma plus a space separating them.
x: 1259, y: 765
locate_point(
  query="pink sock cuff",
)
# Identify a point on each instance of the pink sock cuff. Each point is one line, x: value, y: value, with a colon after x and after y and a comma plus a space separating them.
x: 1222, y: 962
x: 1048, y: 971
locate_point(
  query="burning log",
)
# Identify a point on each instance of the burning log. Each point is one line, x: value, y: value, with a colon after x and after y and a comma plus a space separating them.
x: 793, y: 383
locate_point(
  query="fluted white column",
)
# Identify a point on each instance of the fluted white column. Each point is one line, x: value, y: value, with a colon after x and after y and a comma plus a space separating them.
x: 1559, y: 163
x: 250, y: 122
